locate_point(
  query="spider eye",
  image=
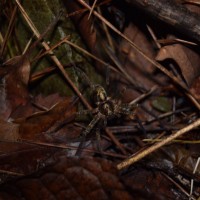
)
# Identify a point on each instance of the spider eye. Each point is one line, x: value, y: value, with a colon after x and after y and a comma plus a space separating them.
x: 100, y: 94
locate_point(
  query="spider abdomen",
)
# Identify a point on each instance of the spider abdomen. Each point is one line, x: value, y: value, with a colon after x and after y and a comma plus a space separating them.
x: 107, y: 108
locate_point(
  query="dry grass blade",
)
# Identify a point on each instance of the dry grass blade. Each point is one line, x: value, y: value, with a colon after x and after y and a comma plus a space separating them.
x: 143, y: 96
x: 90, y: 55
x: 122, y: 72
x: 175, y: 40
x: 156, y: 64
x: 93, y: 6
x: 66, y: 146
x: 192, y: 180
x: 8, y: 33
x: 178, y: 186
x: 158, y: 145
x: 38, y: 75
x: 121, y: 68
x: 192, y: 1
x: 51, y: 49
x: 53, y: 57
x: 114, y: 139
x: 10, y: 173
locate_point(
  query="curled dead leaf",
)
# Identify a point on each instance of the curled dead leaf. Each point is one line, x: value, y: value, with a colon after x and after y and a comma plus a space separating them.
x: 187, y: 59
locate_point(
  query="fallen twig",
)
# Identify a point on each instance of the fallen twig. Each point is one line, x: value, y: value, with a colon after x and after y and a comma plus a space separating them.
x: 156, y: 146
x: 174, y: 14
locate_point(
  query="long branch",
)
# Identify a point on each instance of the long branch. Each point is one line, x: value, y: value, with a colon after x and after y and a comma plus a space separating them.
x: 172, y: 13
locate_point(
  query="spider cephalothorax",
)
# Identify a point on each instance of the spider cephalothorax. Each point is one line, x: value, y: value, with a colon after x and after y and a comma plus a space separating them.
x: 106, y: 108
x: 99, y: 94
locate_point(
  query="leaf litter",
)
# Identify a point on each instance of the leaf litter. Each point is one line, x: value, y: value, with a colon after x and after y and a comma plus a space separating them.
x: 40, y: 134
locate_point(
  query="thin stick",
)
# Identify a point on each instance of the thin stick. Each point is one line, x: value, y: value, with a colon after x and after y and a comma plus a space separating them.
x: 9, y: 30
x: 116, y: 142
x: 51, y: 49
x: 11, y: 173
x: 155, y: 63
x: 91, y: 55
x: 121, y: 68
x: 175, y: 40
x: 108, y: 36
x: 141, y: 97
x: 174, y: 141
x: 96, y: 58
x: 53, y: 57
x: 91, y: 11
x: 66, y: 146
x: 155, y: 147
x: 178, y: 186
x: 153, y: 36
x: 192, y: 180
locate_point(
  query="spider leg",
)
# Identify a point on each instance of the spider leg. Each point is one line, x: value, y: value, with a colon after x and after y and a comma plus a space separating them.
x: 86, y: 131
x: 91, y: 124
x: 80, y: 147
x: 140, y: 124
x: 127, y: 109
x: 84, y: 112
x: 98, y: 137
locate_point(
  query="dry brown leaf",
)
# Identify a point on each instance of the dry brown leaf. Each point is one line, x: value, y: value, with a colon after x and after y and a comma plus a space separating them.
x: 195, y: 88
x: 17, y: 158
x: 151, y: 184
x: 187, y: 59
x: 31, y: 127
x: 70, y: 178
x: 83, y: 24
x: 14, y: 75
x: 136, y: 66
x: 9, y: 131
x: 37, y: 104
x: 140, y: 39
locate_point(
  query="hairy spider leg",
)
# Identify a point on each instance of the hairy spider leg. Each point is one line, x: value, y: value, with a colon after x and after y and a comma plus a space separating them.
x: 127, y: 109
x: 86, y: 132
x: 92, y: 124
x: 80, y: 147
x: 140, y: 124
x: 98, y: 136
x: 84, y: 112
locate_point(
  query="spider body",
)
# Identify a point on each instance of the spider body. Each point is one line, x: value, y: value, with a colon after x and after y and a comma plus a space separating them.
x: 106, y: 109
